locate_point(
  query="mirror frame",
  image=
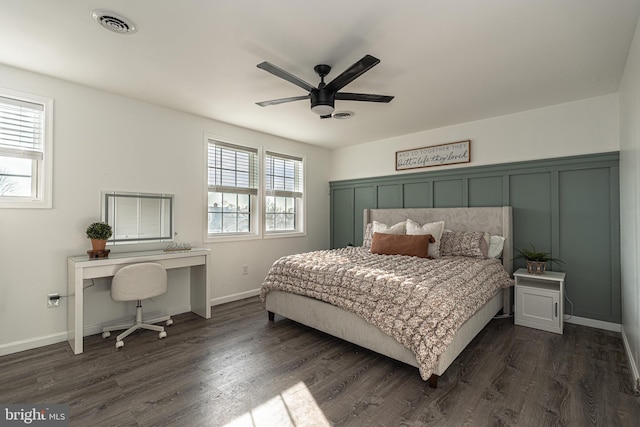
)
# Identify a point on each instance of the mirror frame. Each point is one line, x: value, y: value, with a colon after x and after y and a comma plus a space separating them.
x: 110, y: 197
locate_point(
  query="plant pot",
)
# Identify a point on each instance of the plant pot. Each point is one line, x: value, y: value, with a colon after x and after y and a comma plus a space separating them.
x: 98, y: 245
x: 536, y: 267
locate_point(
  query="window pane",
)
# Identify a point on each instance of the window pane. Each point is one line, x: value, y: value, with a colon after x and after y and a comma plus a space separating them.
x: 229, y: 212
x: 280, y: 213
x: 270, y: 222
x: 229, y: 222
x: 243, y: 223
x: 243, y: 202
x: 215, y: 200
x: 229, y: 202
x: 215, y: 212
x: 215, y: 221
x: 290, y: 222
x: 12, y: 186
x: 15, y: 177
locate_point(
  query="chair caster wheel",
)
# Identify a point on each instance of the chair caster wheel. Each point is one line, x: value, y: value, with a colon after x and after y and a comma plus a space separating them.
x: 162, y: 334
x: 119, y: 344
x: 169, y: 322
x: 106, y: 334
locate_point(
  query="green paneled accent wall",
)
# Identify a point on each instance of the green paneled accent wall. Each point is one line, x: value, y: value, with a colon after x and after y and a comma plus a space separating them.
x: 389, y: 196
x: 417, y: 195
x: 485, y: 191
x: 447, y: 193
x: 342, y: 223
x: 567, y: 206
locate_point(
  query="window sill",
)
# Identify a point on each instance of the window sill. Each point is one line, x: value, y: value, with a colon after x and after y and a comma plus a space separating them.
x: 25, y: 204
x: 230, y: 238
x: 284, y: 234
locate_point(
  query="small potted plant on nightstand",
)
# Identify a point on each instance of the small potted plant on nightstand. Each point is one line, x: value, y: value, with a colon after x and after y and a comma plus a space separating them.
x: 99, y: 232
x: 536, y: 261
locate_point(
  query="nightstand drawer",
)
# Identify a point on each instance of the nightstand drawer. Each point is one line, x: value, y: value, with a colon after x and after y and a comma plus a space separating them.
x: 539, y: 300
x: 538, y: 308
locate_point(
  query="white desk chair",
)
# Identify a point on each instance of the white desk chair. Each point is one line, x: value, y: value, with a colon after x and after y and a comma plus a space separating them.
x: 136, y: 282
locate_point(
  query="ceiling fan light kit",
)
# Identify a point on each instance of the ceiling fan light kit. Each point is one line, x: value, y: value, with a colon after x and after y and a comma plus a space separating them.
x: 323, y: 97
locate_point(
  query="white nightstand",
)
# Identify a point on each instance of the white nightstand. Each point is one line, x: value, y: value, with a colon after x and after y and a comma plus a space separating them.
x: 540, y: 300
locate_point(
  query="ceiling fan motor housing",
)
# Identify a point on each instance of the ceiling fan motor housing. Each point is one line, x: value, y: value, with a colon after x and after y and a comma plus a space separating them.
x: 322, y: 101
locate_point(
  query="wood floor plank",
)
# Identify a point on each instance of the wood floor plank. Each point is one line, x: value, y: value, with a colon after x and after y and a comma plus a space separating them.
x: 239, y: 369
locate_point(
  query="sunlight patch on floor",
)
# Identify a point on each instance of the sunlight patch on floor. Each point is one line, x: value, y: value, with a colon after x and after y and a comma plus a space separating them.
x: 293, y: 407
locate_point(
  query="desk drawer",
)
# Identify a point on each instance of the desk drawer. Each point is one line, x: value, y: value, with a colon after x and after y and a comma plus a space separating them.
x: 97, y: 271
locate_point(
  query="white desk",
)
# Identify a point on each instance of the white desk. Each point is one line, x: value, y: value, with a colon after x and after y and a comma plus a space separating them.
x: 80, y: 268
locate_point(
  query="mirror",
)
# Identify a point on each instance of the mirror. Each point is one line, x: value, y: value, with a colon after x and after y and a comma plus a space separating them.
x: 138, y: 217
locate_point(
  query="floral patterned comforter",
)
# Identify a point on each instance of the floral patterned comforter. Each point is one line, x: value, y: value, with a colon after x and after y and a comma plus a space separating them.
x: 419, y: 302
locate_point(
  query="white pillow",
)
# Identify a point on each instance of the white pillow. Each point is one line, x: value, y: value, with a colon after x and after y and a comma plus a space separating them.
x: 495, y: 247
x: 433, y: 228
x: 378, y: 227
x: 398, y: 228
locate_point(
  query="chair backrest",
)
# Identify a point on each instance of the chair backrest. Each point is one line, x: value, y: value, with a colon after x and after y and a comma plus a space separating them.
x: 139, y: 281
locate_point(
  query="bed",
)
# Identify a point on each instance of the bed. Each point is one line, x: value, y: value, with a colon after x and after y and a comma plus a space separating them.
x: 344, y: 323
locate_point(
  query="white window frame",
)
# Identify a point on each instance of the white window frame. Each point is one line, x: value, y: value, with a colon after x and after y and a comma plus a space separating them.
x: 42, y: 170
x: 300, y: 197
x: 255, y: 200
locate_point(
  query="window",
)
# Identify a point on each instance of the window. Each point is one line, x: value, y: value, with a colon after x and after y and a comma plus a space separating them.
x: 25, y: 150
x: 284, y: 186
x: 232, y: 189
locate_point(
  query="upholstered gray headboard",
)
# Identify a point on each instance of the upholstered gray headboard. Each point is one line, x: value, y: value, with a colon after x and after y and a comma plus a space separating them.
x: 496, y: 221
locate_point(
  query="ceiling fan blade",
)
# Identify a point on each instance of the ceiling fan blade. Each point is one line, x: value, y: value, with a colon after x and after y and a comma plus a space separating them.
x: 345, y: 96
x: 279, y: 72
x: 282, y: 100
x: 352, y: 73
x: 328, y: 116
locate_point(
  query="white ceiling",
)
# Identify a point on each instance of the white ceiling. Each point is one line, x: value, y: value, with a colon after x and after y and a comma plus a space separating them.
x: 446, y: 62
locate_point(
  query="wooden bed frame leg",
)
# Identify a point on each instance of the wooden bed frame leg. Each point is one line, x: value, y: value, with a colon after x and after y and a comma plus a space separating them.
x: 272, y: 316
x: 433, y: 381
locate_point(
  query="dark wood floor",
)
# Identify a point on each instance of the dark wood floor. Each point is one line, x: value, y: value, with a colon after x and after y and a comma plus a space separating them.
x: 238, y: 369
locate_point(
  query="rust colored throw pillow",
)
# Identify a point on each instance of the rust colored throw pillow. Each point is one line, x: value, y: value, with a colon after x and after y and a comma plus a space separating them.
x: 401, y: 244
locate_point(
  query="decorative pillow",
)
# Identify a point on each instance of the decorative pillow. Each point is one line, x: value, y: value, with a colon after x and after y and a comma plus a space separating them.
x: 401, y: 244
x: 433, y: 228
x: 464, y: 243
x: 378, y: 227
x: 496, y: 245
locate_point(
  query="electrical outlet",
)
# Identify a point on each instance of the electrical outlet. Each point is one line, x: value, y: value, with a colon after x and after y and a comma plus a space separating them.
x: 245, y: 269
x: 53, y: 300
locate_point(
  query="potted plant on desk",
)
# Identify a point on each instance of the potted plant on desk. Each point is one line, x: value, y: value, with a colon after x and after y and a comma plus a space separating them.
x: 99, y: 232
x: 536, y: 261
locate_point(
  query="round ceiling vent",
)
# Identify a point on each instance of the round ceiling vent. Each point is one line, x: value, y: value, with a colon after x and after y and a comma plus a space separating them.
x: 343, y: 115
x: 113, y: 21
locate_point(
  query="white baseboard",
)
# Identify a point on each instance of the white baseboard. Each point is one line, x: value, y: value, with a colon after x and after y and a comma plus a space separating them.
x: 592, y: 323
x: 632, y: 362
x: 17, y: 346
x: 235, y: 297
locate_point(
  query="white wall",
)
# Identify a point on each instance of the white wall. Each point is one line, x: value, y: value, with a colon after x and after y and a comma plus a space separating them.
x: 582, y: 127
x: 107, y: 142
x: 630, y: 202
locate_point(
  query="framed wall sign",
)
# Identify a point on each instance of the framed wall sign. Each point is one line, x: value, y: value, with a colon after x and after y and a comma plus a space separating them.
x: 435, y: 155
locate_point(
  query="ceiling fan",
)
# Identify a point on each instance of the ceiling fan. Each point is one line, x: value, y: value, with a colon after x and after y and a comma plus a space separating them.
x: 323, y: 97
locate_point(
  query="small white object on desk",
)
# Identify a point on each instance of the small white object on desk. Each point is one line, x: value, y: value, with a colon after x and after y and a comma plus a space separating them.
x: 540, y: 300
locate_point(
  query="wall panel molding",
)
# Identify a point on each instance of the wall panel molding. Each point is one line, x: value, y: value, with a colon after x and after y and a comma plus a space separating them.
x: 568, y: 206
